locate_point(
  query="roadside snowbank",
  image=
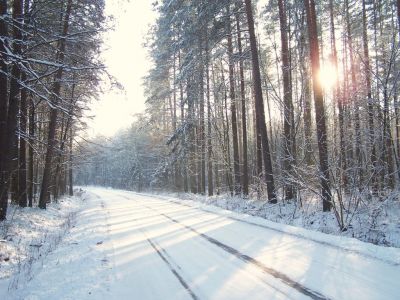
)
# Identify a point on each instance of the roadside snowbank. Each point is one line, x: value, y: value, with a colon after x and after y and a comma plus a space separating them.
x: 29, y: 235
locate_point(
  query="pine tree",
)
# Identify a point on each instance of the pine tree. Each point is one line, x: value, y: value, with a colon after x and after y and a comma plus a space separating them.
x: 319, y: 106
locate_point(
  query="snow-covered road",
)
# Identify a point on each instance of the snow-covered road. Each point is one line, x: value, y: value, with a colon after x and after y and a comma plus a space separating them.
x: 132, y: 246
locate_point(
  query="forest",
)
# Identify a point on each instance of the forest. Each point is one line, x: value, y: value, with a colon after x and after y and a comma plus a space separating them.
x: 273, y: 100
x: 50, y: 69
x: 278, y: 101
x: 263, y: 162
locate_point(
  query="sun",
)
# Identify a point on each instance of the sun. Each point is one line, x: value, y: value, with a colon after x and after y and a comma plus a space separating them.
x: 328, y: 75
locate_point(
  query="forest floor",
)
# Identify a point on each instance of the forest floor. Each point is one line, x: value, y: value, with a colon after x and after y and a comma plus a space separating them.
x: 113, y: 244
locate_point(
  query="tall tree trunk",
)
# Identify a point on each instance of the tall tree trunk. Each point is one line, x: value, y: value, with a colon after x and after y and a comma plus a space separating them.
x: 232, y: 96
x: 51, y: 142
x: 369, y: 90
x: 59, y: 160
x: 70, y: 170
x: 3, y: 111
x: 225, y: 129
x: 245, y: 171
x: 14, y: 98
x: 387, y: 151
x: 259, y: 104
x: 58, y: 176
x: 337, y: 96
x: 319, y: 106
x: 354, y: 85
x: 191, y: 138
x: 288, y: 160
x: 202, y: 135
x: 307, y: 119
x: 177, y: 177
x: 210, y: 185
x: 22, y: 171
x: 22, y: 180
x: 31, y: 152
x: 377, y: 45
x: 185, y: 136
x: 220, y: 119
x: 258, y: 146
x: 306, y: 95
x: 398, y: 15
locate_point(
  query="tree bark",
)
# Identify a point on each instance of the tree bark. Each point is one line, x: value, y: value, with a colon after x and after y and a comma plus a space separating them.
x: 31, y: 153
x: 70, y: 170
x: 245, y: 172
x: 210, y: 185
x: 354, y: 85
x: 398, y: 15
x: 370, y: 106
x: 3, y: 111
x: 184, y: 138
x: 306, y: 96
x: 232, y: 96
x: 22, y: 170
x: 11, y: 155
x: 288, y: 159
x: 259, y: 106
x: 202, y: 133
x: 339, y: 99
x: 319, y: 106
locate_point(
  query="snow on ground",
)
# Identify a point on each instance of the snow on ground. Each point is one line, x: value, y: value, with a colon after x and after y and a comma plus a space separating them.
x: 376, y: 222
x: 32, y: 232
x: 79, y: 268
x: 387, y: 254
x: 124, y: 245
x: 225, y: 255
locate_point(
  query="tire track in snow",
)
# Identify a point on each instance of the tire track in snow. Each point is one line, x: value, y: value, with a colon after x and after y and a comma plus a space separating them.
x: 284, y: 278
x: 179, y: 277
x: 163, y: 255
x: 265, y: 227
x: 164, y: 252
x: 324, y: 243
x: 243, y: 257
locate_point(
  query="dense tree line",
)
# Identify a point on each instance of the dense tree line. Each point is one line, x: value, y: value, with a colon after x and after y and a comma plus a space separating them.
x: 293, y: 98
x: 49, y: 69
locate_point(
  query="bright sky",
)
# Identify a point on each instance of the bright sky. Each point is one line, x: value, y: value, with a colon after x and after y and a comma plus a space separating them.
x: 127, y: 61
